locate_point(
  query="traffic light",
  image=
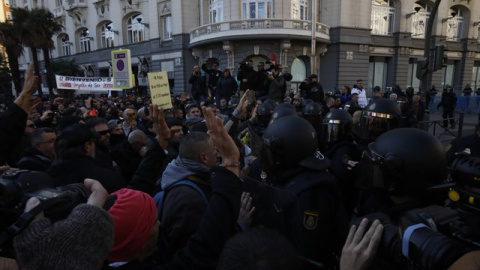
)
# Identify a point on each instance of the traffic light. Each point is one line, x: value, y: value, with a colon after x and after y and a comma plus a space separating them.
x: 440, y: 60
x: 422, y: 68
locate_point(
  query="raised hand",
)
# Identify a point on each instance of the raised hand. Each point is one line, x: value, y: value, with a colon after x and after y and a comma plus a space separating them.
x: 359, y: 250
x: 24, y: 100
x: 163, y: 132
x: 246, y: 210
x: 222, y: 141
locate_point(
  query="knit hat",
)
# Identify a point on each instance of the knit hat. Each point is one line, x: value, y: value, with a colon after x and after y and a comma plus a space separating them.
x: 134, y: 214
x: 80, y: 241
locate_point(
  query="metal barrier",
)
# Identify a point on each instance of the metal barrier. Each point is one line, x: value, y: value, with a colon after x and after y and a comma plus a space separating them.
x: 444, y: 130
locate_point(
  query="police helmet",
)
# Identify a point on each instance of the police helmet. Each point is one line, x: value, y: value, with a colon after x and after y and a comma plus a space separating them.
x: 282, y: 112
x: 264, y: 114
x: 379, y: 116
x: 411, y: 160
x: 312, y: 108
x: 285, y: 105
x: 292, y: 141
x: 337, y: 126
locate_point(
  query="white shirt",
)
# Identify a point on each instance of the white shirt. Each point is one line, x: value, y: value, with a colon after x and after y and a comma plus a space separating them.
x: 362, y: 97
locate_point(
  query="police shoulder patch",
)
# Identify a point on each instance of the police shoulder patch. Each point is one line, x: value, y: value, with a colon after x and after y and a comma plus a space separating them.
x: 310, y: 220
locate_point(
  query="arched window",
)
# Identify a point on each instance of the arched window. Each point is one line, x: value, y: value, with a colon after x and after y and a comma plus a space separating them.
x: 455, y: 25
x: 383, y: 17
x: 300, y: 9
x: 299, y: 73
x: 66, y: 45
x: 216, y: 11
x: 85, y: 39
x: 135, y: 29
x: 108, y: 35
x: 257, y: 9
x: 420, y: 19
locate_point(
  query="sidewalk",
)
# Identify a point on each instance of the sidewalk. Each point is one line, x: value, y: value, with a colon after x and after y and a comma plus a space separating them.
x: 470, y: 120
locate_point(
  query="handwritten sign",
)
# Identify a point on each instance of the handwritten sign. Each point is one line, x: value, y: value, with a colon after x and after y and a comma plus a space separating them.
x: 160, y: 89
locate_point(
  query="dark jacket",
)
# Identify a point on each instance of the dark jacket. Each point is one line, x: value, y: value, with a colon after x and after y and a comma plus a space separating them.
x: 183, y: 206
x: 12, y: 126
x: 226, y: 88
x: 249, y: 74
x: 215, y: 228
x: 458, y: 145
x: 199, y: 86
x: 34, y: 160
x: 213, y: 76
x: 448, y: 102
x: 313, y: 91
x: 70, y: 171
x: 126, y: 159
x: 275, y: 88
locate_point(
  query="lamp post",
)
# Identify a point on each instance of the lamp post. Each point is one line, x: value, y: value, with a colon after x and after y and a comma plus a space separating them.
x: 426, y: 52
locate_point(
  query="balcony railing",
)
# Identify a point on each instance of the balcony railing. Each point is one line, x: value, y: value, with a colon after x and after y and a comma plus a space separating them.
x: 73, y: 4
x: 58, y: 12
x: 255, y: 26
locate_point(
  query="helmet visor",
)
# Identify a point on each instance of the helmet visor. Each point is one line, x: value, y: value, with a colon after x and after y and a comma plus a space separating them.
x: 373, y: 126
x: 334, y: 131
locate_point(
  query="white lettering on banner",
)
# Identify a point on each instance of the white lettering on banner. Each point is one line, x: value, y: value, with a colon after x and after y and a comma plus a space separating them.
x: 85, y: 83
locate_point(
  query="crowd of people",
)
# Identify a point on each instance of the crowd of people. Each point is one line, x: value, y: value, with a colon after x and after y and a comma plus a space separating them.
x: 231, y: 177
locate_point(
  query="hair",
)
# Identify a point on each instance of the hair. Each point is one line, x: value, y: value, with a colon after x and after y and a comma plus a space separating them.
x: 71, y: 111
x: 93, y: 122
x: 171, y: 122
x: 71, y: 142
x: 136, y: 136
x: 193, y: 144
x: 359, y: 80
x: 348, y: 89
x: 258, y: 248
x: 190, y: 107
x: 37, y: 134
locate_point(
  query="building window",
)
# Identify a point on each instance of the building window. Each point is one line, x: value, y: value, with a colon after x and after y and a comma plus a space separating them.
x: 412, y: 72
x: 420, y: 19
x: 135, y: 29
x: 66, y: 46
x: 299, y: 9
x: 377, y: 72
x: 455, y: 25
x: 383, y: 17
x: 216, y: 11
x: 85, y: 39
x: 108, y: 35
x: 476, y: 76
x: 449, y: 74
x: 167, y: 27
x: 257, y: 9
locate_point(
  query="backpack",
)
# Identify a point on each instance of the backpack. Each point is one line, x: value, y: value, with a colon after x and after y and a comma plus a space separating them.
x: 160, y: 196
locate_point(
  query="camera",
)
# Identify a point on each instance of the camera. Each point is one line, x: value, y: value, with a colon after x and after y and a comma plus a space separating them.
x: 418, y: 242
x: 17, y: 186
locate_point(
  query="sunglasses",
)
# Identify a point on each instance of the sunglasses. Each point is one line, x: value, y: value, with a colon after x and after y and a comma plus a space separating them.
x: 103, y: 132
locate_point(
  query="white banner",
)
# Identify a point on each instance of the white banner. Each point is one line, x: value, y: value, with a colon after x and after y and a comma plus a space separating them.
x: 85, y: 83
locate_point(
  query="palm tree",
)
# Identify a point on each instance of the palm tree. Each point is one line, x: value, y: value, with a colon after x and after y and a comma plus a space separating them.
x: 14, y: 49
x: 66, y: 68
x: 36, y: 29
x: 49, y: 27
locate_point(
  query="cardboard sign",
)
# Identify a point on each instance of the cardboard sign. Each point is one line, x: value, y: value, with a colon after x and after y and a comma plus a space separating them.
x: 160, y: 89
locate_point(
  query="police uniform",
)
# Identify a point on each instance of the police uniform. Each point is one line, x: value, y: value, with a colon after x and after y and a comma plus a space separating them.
x: 468, y: 145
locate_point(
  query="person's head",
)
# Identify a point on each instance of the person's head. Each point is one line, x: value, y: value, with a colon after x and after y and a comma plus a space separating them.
x: 329, y: 101
x: 250, y: 63
x: 43, y: 139
x: 313, y: 78
x: 136, y: 226
x: 393, y: 97
x: 178, y: 113
x: 101, y: 129
x: 379, y: 116
x: 346, y: 90
x: 196, y: 70
x: 449, y: 88
x: 360, y: 84
x: 215, y: 65
x: 411, y: 161
x: 176, y: 127
x: 130, y: 115
x: 223, y: 103
x: 354, y: 98
x: 142, y: 114
x: 226, y: 73
x: 192, y: 110
x: 312, y: 112
x: 115, y: 127
x: 75, y: 141
x: 260, y: 66
x: 338, y: 102
x: 258, y: 248
x: 416, y: 98
x: 198, y: 147
x: 137, y: 140
x: 289, y: 142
